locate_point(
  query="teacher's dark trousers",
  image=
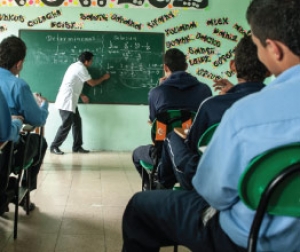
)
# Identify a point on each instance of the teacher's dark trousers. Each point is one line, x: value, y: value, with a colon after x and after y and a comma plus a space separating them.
x: 153, y: 219
x: 69, y: 119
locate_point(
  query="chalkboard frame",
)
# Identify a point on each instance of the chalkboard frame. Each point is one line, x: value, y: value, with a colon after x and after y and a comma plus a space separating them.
x: 110, y: 93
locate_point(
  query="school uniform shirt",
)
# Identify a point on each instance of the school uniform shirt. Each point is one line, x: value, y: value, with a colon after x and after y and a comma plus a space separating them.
x: 71, y: 87
x: 20, y: 99
x: 9, y: 129
x: 212, y: 109
x: 180, y: 91
x: 254, y: 124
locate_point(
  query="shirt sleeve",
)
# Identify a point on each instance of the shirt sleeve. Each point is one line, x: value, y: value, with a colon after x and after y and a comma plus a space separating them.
x: 5, y: 127
x: 152, y: 107
x: 28, y: 107
x: 16, y: 126
x: 198, y: 127
x: 84, y: 75
x: 9, y: 129
x: 219, y: 169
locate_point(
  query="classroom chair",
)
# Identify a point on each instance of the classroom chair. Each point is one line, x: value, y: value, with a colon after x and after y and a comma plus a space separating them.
x: 206, y: 137
x: 164, y: 123
x: 270, y: 185
x: 23, y: 193
x: 6, y: 150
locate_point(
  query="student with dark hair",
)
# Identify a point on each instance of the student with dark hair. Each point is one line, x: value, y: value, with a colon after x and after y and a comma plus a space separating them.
x: 177, y: 90
x: 67, y: 99
x: 22, y: 103
x: 180, y: 157
x: 254, y: 124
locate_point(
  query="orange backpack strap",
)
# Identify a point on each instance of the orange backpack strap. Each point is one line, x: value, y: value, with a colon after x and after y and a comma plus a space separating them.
x: 161, y: 131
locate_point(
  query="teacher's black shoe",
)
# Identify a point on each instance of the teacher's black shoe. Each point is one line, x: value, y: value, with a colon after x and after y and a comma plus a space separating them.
x: 81, y: 150
x: 56, y: 151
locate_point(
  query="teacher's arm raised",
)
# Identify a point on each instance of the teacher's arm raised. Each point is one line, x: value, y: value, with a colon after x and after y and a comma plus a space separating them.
x: 95, y: 82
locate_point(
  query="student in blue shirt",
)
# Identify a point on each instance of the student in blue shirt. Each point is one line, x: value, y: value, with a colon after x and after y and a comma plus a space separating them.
x: 9, y: 126
x: 254, y: 124
x: 21, y: 102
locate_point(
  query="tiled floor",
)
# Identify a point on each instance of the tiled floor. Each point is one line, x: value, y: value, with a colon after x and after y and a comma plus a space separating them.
x: 80, y: 202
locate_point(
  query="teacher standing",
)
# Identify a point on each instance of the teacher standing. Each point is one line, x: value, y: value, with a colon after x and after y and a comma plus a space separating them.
x: 67, y: 101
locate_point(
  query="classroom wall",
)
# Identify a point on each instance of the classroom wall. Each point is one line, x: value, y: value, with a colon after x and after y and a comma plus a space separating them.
x: 124, y: 127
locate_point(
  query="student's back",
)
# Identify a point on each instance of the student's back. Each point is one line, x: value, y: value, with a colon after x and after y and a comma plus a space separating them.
x: 180, y: 91
x: 250, y: 73
x: 177, y: 89
x: 213, y: 109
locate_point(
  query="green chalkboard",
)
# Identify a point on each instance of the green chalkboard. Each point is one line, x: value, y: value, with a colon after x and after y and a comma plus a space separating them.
x: 134, y: 60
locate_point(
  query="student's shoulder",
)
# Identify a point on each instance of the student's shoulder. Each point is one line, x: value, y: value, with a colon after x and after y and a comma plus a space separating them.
x: 21, y: 83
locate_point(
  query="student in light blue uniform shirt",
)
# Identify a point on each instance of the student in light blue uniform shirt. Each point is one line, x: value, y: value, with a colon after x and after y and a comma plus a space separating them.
x: 261, y: 121
x: 21, y: 102
x: 9, y: 127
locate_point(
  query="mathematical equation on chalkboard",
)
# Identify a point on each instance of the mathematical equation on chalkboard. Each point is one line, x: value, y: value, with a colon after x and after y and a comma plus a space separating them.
x: 133, y: 59
x: 129, y: 61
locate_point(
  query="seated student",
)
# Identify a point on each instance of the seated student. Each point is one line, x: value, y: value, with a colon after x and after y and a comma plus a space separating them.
x: 22, y: 102
x: 252, y: 125
x: 10, y: 126
x: 177, y: 90
x: 180, y: 157
x: 9, y: 131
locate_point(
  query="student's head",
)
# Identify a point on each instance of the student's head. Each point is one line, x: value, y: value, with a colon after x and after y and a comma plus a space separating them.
x: 247, y: 64
x: 86, y: 57
x: 275, y: 26
x: 175, y: 60
x: 12, y: 54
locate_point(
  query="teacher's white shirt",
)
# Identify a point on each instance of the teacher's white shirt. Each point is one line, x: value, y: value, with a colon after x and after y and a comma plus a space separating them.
x: 71, y: 87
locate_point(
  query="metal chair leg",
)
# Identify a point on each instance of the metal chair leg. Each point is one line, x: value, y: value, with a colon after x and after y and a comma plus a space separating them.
x: 175, y: 248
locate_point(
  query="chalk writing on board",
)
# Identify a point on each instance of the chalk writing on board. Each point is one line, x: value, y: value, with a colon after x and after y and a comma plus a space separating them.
x: 126, y: 57
x: 133, y: 59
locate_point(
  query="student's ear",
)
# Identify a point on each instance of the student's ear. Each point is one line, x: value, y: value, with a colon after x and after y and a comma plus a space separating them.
x: 166, y: 69
x: 274, y: 49
x: 19, y: 65
x: 186, y: 66
x: 16, y: 68
x: 232, y: 66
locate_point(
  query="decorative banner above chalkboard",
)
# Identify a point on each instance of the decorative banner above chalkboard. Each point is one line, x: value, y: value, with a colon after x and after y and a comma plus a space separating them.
x: 134, y: 60
x: 196, y: 4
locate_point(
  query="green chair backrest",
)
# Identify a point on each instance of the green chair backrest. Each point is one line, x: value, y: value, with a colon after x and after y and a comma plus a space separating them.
x: 265, y: 167
x: 206, y: 136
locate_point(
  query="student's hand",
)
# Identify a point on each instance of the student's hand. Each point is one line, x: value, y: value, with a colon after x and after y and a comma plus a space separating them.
x: 106, y: 76
x: 222, y: 85
x: 18, y: 117
x: 84, y: 98
x: 162, y: 79
x: 42, y: 99
x: 39, y: 99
